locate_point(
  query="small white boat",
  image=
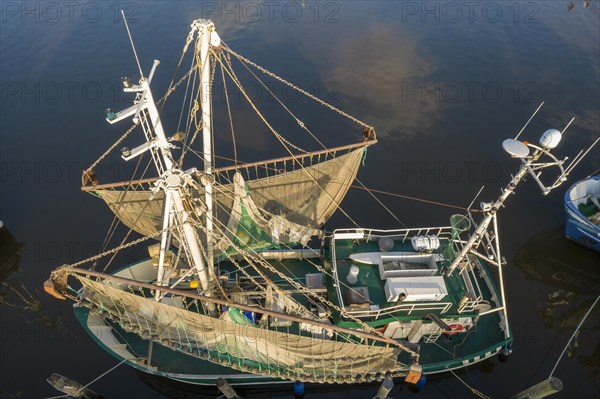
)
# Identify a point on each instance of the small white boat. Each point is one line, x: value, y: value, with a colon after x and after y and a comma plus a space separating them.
x: 582, y: 206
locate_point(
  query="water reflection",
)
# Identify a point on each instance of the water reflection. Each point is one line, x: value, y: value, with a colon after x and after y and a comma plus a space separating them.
x: 569, y: 273
x: 13, y: 292
x: 384, y: 79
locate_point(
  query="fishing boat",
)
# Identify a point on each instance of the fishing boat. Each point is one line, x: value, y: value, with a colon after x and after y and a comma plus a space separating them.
x: 582, y: 207
x: 247, y: 284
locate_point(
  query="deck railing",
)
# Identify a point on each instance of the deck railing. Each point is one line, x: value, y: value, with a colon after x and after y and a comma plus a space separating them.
x: 398, y: 234
x: 442, y: 307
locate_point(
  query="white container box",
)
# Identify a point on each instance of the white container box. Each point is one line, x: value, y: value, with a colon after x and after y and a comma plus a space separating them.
x: 416, y: 289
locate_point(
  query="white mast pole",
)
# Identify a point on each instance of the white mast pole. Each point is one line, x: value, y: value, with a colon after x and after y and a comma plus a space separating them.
x: 174, y: 182
x: 517, y: 149
x: 490, y: 214
x: 205, y: 30
x: 501, y: 276
x: 172, y: 178
x: 164, y: 243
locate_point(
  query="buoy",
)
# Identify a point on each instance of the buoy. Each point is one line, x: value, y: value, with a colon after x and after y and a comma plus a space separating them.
x: 298, y: 390
x: 386, y: 244
x: 194, y: 284
x: 541, y: 390
x: 384, y: 389
x: 422, y: 381
x: 454, y: 329
x: 71, y: 387
x: 226, y: 389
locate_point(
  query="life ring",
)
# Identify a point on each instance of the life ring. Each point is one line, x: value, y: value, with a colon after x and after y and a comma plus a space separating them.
x: 454, y: 329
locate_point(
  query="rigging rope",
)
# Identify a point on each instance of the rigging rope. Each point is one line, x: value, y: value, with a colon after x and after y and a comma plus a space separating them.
x: 286, y: 144
x: 111, y: 251
x: 124, y: 136
x: 103, y: 374
x: 303, y: 126
x: 195, y: 107
x: 116, y: 221
x: 298, y: 89
x: 112, y: 147
x: 593, y: 173
x: 235, y: 80
x: 185, y: 96
x: 417, y: 199
x: 126, y: 235
x: 304, y: 290
x: 317, y: 267
x: 252, y: 260
x: 372, y: 190
x: 230, y: 118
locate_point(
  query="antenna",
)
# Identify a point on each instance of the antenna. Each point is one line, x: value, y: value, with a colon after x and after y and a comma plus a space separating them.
x: 578, y: 158
x: 566, y: 127
x: 527, y: 123
x: 132, y: 45
x: 475, y: 198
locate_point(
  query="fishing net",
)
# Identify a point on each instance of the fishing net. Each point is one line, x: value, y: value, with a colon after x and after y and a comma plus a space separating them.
x: 297, y: 351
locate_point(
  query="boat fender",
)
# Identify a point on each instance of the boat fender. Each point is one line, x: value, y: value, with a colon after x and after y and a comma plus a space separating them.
x: 414, y: 374
x: 505, y: 353
x: 298, y: 389
x: 51, y: 289
x: 352, y: 277
x: 385, y: 244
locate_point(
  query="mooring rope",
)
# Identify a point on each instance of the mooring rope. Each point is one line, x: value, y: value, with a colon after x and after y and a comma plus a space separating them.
x: 89, y: 383
x: 473, y: 390
x: 573, y: 336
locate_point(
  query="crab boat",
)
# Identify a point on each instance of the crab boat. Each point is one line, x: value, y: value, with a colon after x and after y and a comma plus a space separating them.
x: 247, y: 284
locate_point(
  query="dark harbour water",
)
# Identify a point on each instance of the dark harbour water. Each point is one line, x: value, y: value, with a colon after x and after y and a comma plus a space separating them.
x: 443, y: 83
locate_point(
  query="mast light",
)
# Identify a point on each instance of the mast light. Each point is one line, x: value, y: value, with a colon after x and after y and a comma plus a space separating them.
x: 126, y: 82
x: 128, y: 154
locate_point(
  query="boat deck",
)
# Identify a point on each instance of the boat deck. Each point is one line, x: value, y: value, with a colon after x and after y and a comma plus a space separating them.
x: 440, y: 350
x: 370, y: 277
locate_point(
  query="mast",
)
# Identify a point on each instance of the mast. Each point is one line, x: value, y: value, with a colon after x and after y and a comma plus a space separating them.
x: 206, y: 37
x: 172, y: 182
x: 490, y: 212
x: 529, y: 165
x: 172, y: 179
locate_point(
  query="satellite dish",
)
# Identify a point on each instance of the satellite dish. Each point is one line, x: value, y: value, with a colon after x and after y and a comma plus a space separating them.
x: 515, y: 148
